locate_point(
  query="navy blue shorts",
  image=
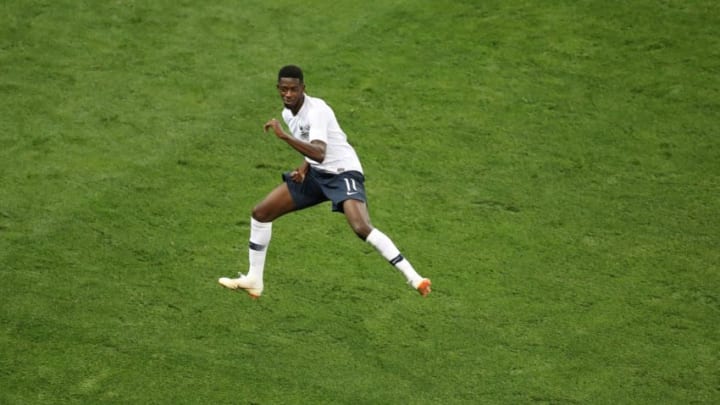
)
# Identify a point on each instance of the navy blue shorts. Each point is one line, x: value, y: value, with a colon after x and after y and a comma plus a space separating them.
x: 320, y: 187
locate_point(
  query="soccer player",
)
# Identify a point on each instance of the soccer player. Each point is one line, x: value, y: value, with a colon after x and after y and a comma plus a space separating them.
x: 331, y: 171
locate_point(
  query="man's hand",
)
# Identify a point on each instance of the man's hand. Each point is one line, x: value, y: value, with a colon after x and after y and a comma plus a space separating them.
x: 275, y: 125
x: 298, y: 175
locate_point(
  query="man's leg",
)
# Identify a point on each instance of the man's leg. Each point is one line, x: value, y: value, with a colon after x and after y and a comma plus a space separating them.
x: 359, y: 219
x: 277, y: 203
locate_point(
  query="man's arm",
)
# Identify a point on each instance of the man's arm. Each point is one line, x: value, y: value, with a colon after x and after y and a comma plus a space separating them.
x: 315, y: 149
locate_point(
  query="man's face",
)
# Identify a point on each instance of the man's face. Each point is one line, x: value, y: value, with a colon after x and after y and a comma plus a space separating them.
x: 291, y: 91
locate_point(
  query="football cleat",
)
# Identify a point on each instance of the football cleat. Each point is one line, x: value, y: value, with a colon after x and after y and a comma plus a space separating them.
x: 423, y: 287
x: 253, y: 288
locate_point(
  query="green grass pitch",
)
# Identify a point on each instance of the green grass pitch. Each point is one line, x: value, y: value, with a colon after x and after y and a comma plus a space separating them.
x: 554, y: 167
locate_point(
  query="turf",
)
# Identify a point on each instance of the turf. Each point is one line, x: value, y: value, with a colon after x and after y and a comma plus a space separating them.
x: 553, y: 167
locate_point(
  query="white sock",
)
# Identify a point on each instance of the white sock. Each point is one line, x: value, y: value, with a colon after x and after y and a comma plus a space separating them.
x: 387, y: 249
x: 260, y: 233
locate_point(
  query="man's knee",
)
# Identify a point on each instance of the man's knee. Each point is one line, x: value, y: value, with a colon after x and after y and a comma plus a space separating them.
x: 261, y: 214
x: 362, y: 230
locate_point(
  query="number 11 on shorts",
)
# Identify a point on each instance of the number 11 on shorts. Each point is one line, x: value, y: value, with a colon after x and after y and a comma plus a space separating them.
x: 350, y: 186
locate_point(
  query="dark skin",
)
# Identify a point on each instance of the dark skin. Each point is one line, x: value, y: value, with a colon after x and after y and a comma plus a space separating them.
x: 279, y: 202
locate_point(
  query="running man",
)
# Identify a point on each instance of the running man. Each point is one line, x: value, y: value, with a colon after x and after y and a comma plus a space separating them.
x: 331, y: 171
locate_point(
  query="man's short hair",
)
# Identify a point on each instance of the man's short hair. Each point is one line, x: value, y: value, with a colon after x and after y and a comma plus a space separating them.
x: 291, y: 71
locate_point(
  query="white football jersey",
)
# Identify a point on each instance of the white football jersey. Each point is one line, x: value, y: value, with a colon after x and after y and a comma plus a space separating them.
x: 316, y: 120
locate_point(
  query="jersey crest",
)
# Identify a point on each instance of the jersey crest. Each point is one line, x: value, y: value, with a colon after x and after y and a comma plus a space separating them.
x: 305, y: 132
